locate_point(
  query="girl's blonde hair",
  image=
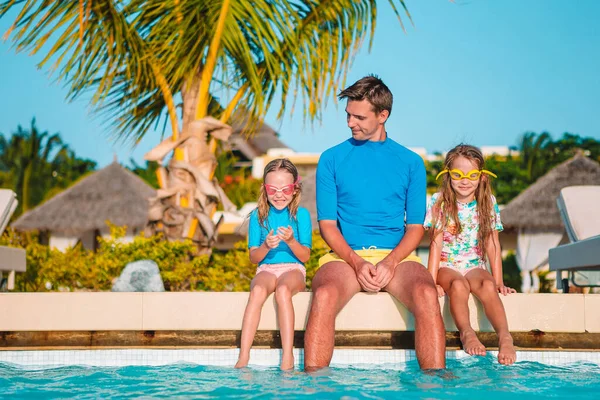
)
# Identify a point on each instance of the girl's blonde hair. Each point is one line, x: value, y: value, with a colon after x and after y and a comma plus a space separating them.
x: 263, y: 201
x: 445, y: 211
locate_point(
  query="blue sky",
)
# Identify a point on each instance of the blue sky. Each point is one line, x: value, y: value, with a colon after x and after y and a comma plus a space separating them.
x: 479, y: 71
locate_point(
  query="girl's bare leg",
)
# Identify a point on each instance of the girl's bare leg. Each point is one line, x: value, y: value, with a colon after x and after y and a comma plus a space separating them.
x: 484, y: 287
x: 288, y: 285
x: 261, y: 287
x: 458, y: 290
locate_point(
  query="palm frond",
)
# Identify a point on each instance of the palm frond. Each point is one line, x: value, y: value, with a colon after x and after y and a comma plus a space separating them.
x: 135, y: 56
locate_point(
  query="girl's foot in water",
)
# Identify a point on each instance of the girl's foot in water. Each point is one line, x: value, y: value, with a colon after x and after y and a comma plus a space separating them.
x: 506, y: 350
x: 471, y: 344
x: 242, y: 362
x: 287, y: 362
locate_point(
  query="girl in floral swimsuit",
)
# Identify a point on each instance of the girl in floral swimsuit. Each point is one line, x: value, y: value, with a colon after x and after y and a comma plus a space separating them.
x: 465, y: 220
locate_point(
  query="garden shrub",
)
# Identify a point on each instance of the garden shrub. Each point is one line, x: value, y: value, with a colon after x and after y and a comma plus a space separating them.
x: 78, y: 269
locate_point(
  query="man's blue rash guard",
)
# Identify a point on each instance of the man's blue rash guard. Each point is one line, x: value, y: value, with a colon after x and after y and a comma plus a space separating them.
x: 372, y: 189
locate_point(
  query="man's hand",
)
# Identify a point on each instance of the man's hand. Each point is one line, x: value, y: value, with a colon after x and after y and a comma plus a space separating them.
x: 285, y: 234
x: 505, y: 290
x: 272, y: 241
x: 384, y: 272
x: 365, y: 274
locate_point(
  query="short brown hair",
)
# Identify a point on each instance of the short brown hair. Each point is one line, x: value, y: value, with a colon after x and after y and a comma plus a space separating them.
x: 372, y: 89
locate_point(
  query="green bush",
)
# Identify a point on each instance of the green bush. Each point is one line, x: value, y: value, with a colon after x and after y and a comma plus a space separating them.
x: 546, y: 284
x: 511, y: 274
x: 241, y: 189
x: 79, y: 269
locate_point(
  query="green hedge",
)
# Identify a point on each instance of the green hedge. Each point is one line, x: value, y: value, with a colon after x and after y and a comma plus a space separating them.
x: 181, y: 270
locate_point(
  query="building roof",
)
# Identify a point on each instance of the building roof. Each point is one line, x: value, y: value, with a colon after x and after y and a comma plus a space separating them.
x: 253, y: 140
x: 535, y: 207
x: 112, y: 194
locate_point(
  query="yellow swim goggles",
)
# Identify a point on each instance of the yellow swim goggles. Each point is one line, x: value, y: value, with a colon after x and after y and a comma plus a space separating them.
x: 457, y: 174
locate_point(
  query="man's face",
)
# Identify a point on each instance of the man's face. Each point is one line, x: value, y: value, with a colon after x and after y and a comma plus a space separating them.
x: 364, y: 123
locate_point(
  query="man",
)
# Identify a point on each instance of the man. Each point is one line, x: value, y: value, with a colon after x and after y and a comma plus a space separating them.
x: 371, y: 199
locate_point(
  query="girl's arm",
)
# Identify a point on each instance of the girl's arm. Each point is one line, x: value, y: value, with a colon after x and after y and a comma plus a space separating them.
x: 435, y: 254
x: 301, y: 252
x: 257, y: 254
x: 494, y: 254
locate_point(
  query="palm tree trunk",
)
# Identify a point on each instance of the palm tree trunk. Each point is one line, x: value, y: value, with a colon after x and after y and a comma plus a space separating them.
x: 189, y: 195
x: 190, y: 94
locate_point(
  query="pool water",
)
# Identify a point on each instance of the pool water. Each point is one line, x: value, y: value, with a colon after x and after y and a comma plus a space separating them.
x: 474, y: 378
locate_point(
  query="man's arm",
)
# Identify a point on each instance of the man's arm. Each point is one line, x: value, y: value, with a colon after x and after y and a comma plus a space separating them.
x: 364, y: 270
x: 416, y: 194
x: 327, y: 210
x: 412, y: 237
x: 386, y: 267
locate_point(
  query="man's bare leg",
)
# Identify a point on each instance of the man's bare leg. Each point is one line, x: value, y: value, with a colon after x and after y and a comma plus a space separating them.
x: 413, y: 286
x: 333, y: 286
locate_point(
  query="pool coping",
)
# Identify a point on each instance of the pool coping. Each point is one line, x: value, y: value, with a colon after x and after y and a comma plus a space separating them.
x: 204, y: 319
x: 271, y: 339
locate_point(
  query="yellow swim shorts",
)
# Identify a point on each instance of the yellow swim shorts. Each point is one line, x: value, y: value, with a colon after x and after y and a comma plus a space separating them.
x: 371, y: 255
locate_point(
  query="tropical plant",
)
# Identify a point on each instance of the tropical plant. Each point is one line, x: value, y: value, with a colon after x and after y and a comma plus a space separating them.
x: 534, y: 156
x: 537, y: 154
x: 194, y: 58
x: 37, y: 165
x: 147, y: 173
x: 533, y: 153
x: 564, y: 148
x: 78, y: 269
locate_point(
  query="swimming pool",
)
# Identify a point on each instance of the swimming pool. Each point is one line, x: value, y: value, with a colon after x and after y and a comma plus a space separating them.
x: 361, y: 374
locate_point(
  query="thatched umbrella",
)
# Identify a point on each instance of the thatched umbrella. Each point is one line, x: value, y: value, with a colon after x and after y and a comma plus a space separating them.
x: 535, y: 207
x: 535, y: 216
x: 112, y: 194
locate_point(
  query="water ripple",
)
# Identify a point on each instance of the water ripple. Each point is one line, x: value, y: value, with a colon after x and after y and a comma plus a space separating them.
x: 474, y: 377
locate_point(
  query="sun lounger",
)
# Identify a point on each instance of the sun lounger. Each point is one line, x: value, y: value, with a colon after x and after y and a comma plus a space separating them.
x: 11, y: 259
x: 579, y: 210
x: 8, y: 205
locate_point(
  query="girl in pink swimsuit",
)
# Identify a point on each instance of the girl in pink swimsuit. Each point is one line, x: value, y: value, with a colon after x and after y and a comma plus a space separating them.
x: 465, y: 220
x: 279, y: 241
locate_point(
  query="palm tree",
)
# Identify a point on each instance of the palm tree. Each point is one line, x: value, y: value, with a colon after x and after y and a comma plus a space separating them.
x: 34, y: 163
x: 533, y: 150
x: 190, y: 59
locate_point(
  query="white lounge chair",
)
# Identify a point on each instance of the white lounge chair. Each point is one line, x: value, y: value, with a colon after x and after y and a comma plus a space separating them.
x: 579, y: 208
x: 11, y: 259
